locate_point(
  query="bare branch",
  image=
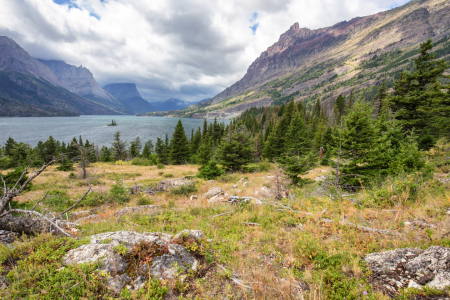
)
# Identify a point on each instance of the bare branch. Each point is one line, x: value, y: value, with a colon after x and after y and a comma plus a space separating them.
x: 45, y: 196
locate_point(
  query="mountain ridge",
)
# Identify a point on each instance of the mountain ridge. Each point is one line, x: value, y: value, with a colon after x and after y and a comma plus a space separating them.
x: 129, y: 96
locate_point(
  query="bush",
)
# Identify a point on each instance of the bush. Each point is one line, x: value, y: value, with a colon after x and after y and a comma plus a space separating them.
x: 160, y: 173
x: 210, y: 171
x: 119, y: 193
x: 160, y: 166
x: 94, y: 199
x: 264, y: 165
x: 141, y: 162
x: 168, y: 175
x: 58, y: 200
x: 145, y: 201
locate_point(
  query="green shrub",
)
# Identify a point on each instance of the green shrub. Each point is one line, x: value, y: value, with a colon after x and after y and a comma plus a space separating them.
x: 58, y: 200
x: 153, y: 290
x: 119, y: 193
x: 94, y: 199
x: 160, y: 166
x: 264, y: 166
x: 72, y: 175
x: 145, y: 201
x: 210, y: 171
x: 160, y: 173
x: 137, y: 161
x: 168, y: 175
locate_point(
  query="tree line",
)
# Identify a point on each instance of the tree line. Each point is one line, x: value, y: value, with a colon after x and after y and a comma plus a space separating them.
x: 361, y: 140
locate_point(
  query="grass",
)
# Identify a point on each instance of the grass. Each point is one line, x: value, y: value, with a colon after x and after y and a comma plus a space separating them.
x: 285, y: 249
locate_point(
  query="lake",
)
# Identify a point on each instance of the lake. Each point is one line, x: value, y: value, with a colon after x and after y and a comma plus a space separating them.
x: 93, y: 128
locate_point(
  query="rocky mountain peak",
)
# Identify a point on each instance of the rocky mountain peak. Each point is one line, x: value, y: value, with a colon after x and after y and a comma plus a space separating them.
x: 122, y: 90
x: 14, y: 58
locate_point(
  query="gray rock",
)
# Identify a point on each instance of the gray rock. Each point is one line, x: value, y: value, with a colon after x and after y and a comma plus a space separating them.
x: 193, y: 197
x: 214, y: 192
x: 117, y: 283
x: 8, y: 237
x: 167, y: 266
x: 168, y: 184
x: 412, y: 266
x: 131, y: 210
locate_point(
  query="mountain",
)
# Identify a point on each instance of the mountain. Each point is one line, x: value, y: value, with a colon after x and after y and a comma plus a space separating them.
x: 171, y: 104
x: 30, y: 88
x: 81, y: 81
x: 129, y: 96
x: 352, y: 55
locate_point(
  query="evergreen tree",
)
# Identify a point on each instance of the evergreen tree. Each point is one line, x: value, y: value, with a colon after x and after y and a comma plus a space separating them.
x: 72, y: 149
x: 179, y: 145
x: 119, y: 147
x: 380, y: 98
x: 80, y: 141
x: 9, y: 145
x: 148, y: 149
x: 161, y: 151
x: 339, y: 108
x: 196, y: 141
x: 236, y: 149
x: 205, y: 150
x: 351, y: 100
x: 106, y: 155
x: 413, y: 100
x: 357, y: 142
x: 90, y: 151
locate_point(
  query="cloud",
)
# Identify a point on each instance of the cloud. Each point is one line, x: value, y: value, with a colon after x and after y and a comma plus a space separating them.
x: 186, y: 49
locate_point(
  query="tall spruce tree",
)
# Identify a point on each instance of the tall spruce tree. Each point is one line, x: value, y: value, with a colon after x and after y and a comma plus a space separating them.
x: 236, y: 149
x: 179, y: 145
x: 148, y: 149
x: 205, y: 150
x: 119, y: 147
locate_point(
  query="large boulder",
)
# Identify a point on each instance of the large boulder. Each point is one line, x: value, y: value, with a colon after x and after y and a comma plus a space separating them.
x: 215, y: 191
x: 410, y: 267
x: 123, y: 269
x: 168, y: 184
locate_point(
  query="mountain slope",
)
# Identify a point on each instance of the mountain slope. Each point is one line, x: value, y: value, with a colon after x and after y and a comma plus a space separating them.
x: 80, y: 81
x: 171, y: 104
x: 30, y: 88
x: 129, y: 96
x: 358, y: 54
x: 41, y: 98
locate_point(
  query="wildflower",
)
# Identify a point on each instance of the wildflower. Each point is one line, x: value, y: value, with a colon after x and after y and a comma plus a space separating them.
x: 364, y: 293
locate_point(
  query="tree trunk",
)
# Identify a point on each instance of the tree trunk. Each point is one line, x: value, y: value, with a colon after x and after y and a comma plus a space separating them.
x: 25, y: 225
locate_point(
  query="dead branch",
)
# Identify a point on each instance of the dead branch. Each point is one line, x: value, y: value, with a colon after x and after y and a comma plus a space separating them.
x: 227, y: 213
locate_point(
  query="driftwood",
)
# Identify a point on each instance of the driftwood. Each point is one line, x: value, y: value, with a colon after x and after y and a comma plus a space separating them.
x: 30, y: 221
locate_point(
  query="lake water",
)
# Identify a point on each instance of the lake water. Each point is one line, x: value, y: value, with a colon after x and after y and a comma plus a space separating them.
x: 93, y: 128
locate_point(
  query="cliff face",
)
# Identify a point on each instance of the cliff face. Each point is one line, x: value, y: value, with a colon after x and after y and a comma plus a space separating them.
x: 129, y: 96
x: 78, y: 80
x: 340, y: 48
x: 14, y: 58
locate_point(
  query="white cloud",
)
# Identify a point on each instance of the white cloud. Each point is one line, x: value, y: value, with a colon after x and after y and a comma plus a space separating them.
x: 187, y: 49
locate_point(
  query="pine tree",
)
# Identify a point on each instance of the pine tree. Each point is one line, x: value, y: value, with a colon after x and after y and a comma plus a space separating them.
x: 90, y: 151
x: 148, y: 149
x: 161, y: 151
x: 351, y: 100
x: 9, y: 145
x: 105, y: 154
x: 119, y: 147
x: 205, y: 151
x: 196, y: 141
x: 236, y: 149
x: 413, y: 100
x: 179, y: 145
x: 339, y: 108
x: 357, y: 142
x: 380, y: 98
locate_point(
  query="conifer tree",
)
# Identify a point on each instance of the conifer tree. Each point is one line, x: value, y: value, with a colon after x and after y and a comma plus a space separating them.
x: 413, y: 100
x: 72, y: 149
x: 236, y: 149
x: 380, y: 98
x: 196, y: 141
x: 179, y: 145
x: 119, y: 147
x: 339, y: 108
x: 357, y: 142
x: 9, y: 145
x: 148, y: 149
x: 205, y: 150
x: 105, y: 154
x: 351, y: 100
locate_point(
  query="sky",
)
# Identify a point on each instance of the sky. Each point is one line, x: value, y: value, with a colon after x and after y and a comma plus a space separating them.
x: 185, y: 49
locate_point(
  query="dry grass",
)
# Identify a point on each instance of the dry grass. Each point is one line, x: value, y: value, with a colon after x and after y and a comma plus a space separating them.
x: 275, y: 260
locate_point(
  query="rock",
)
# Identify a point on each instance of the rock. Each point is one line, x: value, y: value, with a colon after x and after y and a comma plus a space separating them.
x: 193, y: 197
x: 211, y: 181
x: 241, y: 180
x: 4, y: 282
x: 130, y: 210
x: 176, y: 261
x: 117, y: 283
x: 321, y: 178
x: 420, y: 224
x: 168, y: 184
x: 264, y: 192
x: 234, y: 186
x: 216, y: 199
x: 135, y: 189
x: 411, y: 267
x: 213, y: 192
x: 139, y: 282
x: 168, y: 266
x: 8, y: 237
x: 79, y: 214
x: 246, y: 183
